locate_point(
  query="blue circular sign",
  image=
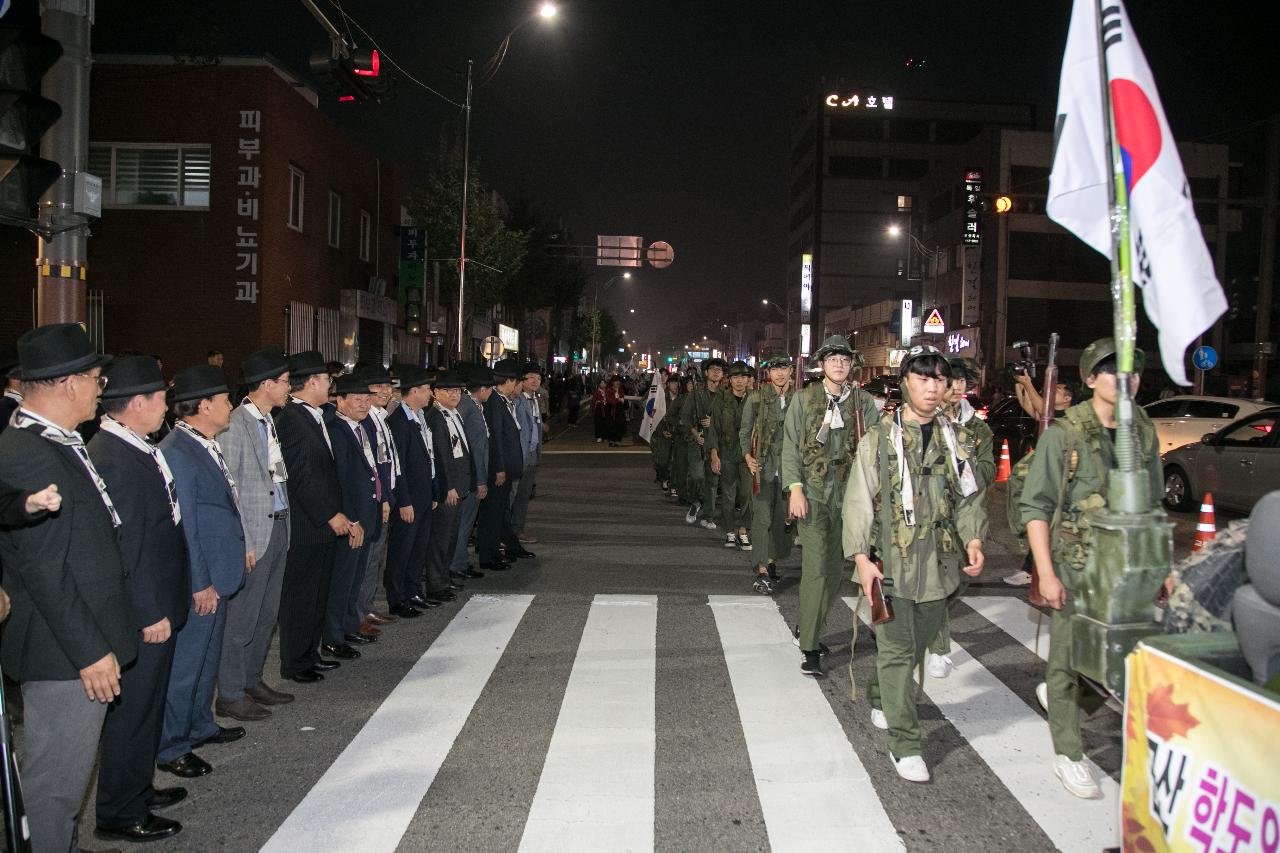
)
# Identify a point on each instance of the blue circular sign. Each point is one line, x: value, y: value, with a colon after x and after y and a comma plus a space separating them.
x: 1205, y: 358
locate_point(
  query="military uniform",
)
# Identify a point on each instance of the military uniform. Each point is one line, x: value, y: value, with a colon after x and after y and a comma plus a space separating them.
x: 761, y: 428
x: 678, y: 442
x: 918, y: 506
x: 702, y: 483
x: 735, y: 477
x: 979, y: 445
x: 660, y: 445
x: 817, y: 452
x: 1078, y: 449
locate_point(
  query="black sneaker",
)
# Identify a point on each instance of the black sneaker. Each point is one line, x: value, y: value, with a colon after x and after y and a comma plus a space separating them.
x: 812, y: 665
x: 795, y: 641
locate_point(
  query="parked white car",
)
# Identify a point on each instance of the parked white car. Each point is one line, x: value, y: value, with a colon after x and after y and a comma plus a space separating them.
x: 1184, y: 420
x: 1239, y: 464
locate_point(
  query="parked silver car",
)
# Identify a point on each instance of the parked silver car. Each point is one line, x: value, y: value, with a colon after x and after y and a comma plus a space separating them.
x: 1238, y: 464
x: 1182, y: 420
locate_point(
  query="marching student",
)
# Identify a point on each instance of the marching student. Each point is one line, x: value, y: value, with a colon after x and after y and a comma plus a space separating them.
x: 760, y: 438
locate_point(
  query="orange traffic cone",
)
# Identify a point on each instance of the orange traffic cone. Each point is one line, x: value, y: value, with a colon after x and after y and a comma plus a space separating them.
x: 1003, y: 469
x: 1207, y: 529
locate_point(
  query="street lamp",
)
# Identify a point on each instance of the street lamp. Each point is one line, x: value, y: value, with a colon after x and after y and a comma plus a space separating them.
x: 786, y: 321
x: 547, y: 11
x: 934, y: 254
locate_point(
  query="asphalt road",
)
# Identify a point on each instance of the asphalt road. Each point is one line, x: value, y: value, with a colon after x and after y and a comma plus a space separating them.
x: 627, y: 690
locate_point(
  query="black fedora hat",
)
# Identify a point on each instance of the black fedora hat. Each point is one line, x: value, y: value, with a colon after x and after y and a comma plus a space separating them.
x: 507, y: 369
x: 307, y: 363
x: 450, y: 379
x: 351, y: 383
x: 60, y: 349
x: 196, y: 383
x: 412, y: 377
x: 135, y: 374
x: 263, y: 364
x: 477, y: 376
x: 372, y: 373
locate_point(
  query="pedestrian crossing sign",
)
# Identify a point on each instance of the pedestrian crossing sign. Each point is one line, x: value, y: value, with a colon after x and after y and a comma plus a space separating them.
x: 934, y: 325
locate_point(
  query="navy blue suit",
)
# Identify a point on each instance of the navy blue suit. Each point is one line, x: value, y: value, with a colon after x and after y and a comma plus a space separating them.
x: 407, y: 551
x: 215, y: 557
x: 361, y: 491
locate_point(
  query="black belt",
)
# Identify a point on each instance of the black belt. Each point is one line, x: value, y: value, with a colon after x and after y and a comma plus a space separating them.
x: 278, y: 516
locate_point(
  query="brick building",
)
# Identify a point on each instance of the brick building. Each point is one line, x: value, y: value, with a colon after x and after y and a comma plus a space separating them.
x: 235, y: 216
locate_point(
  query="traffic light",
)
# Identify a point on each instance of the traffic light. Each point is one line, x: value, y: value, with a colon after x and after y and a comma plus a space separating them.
x: 413, y: 312
x: 352, y: 75
x: 25, y: 56
x: 1004, y: 204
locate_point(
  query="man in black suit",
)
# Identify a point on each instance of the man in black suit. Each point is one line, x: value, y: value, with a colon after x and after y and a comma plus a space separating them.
x: 451, y: 451
x: 71, y: 627
x: 316, y: 523
x: 141, y: 486
x: 411, y: 525
x: 506, y: 461
x: 364, y: 502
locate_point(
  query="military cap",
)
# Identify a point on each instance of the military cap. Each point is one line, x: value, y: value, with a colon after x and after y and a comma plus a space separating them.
x: 838, y: 345
x: 962, y: 366
x: 777, y: 359
x: 1102, y: 349
x: 135, y: 374
x: 739, y: 368
x: 920, y: 351
x: 263, y: 364
x: 196, y: 383
x: 307, y: 363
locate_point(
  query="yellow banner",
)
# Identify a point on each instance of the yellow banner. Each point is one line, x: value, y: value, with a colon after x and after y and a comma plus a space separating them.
x: 1201, y: 761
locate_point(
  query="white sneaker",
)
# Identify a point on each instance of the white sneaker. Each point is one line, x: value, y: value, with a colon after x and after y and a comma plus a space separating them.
x: 744, y: 541
x: 692, y: 515
x: 879, y: 720
x: 1020, y: 578
x: 708, y: 523
x: 1042, y: 695
x: 938, y: 666
x: 730, y: 541
x: 1076, y: 777
x: 912, y: 768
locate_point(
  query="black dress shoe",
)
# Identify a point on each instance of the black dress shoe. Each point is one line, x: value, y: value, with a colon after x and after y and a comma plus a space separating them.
x: 523, y: 553
x: 472, y: 573
x: 496, y: 567
x: 456, y: 586
x: 442, y: 595
x: 360, y: 639
x: 324, y: 665
x: 187, y: 766
x: 405, y: 611
x: 423, y: 603
x: 341, y: 650
x: 162, y: 798
x: 307, y: 676
x: 224, y: 734
x: 151, y: 829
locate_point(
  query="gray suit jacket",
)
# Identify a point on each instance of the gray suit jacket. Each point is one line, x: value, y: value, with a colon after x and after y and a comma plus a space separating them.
x: 246, y: 455
x: 474, y: 426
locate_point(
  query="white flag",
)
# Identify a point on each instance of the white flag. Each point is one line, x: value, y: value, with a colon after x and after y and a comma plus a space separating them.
x: 1170, y: 260
x: 655, y: 407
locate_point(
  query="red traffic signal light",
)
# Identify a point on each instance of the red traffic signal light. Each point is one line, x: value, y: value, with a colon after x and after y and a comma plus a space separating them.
x: 366, y: 63
x: 351, y: 75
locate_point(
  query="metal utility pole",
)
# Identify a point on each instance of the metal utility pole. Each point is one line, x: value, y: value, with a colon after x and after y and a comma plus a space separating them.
x: 1267, y: 263
x: 462, y: 230
x: 62, y: 259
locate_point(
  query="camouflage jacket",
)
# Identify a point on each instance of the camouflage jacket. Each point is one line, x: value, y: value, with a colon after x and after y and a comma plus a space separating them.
x: 822, y: 467
x: 1086, y: 488
x: 979, y: 442
x: 693, y: 409
x: 726, y: 419
x: 762, y: 417
x: 923, y: 559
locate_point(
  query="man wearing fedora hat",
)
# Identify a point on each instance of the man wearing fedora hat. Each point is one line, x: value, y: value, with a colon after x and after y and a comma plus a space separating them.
x: 252, y: 449
x: 479, y: 386
x: 70, y: 628
x: 394, y: 488
x: 529, y: 418
x: 216, y: 560
x: 145, y: 495
x: 411, y: 521
x: 364, y: 501
x: 316, y: 520
x: 452, y: 453
x: 506, y: 463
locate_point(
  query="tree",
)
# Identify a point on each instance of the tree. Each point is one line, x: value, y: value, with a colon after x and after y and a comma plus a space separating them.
x: 495, y: 252
x: 545, y: 280
x: 602, y: 328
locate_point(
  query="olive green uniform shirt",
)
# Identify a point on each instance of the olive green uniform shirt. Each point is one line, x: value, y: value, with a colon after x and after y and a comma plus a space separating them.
x: 726, y: 418
x: 765, y: 410
x: 799, y: 453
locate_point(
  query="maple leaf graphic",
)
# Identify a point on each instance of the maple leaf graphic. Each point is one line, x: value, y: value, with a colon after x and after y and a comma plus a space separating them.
x: 1165, y: 717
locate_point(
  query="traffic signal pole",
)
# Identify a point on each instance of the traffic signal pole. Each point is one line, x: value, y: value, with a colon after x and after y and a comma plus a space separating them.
x: 61, y: 260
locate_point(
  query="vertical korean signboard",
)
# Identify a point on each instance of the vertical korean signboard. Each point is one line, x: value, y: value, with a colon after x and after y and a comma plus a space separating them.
x: 971, y: 286
x: 806, y: 302
x: 248, y: 189
x: 972, y: 202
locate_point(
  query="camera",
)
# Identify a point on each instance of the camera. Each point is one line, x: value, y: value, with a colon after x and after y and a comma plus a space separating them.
x: 1025, y: 366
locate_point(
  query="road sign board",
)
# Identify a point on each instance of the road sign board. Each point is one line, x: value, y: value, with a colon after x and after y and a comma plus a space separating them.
x: 934, y: 325
x: 492, y: 348
x: 660, y: 254
x: 1205, y: 358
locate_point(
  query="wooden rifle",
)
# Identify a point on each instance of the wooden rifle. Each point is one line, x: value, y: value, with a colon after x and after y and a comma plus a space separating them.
x: 1048, y: 392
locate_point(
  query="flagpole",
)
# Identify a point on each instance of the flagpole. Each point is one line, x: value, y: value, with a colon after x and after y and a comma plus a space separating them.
x: 1128, y: 489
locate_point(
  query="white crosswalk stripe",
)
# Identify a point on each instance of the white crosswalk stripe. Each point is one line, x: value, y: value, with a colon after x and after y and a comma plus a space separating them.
x: 1014, y: 743
x: 343, y: 811
x: 596, y: 790
x: 806, y: 771
x: 1016, y: 618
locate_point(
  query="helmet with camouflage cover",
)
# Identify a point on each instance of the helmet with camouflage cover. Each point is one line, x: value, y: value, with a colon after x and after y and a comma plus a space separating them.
x: 838, y: 345
x: 964, y: 367
x: 1102, y: 349
x: 713, y: 362
x: 739, y: 368
x: 917, y: 352
x: 777, y: 359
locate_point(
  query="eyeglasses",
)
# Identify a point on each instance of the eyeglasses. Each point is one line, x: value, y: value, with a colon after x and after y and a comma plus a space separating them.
x: 100, y: 379
x: 839, y: 360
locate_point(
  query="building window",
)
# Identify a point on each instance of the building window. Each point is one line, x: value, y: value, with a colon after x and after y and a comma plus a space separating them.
x: 297, y: 193
x: 151, y: 176
x: 366, y: 229
x: 335, y: 219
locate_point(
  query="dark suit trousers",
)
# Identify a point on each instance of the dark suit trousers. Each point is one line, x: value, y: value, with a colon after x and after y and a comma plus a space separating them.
x: 342, y: 614
x: 407, y: 555
x: 131, y: 736
x: 188, y: 712
x: 493, y: 525
x: 444, y: 536
x: 303, y: 602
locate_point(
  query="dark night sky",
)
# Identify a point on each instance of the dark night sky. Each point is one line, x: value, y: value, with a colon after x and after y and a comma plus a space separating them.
x: 670, y: 119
